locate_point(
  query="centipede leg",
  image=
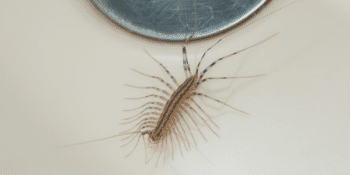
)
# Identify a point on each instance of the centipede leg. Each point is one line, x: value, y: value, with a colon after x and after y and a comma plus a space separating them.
x: 144, y: 143
x: 200, y: 108
x: 194, y: 123
x: 183, y: 140
x: 160, y: 79
x: 172, y: 146
x: 145, y: 114
x: 166, y: 147
x: 151, y: 102
x: 135, y: 146
x: 161, y: 148
x: 188, y: 128
x: 202, y: 119
x: 159, y: 109
x: 178, y: 141
x: 183, y: 130
x: 200, y: 94
x: 166, y: 70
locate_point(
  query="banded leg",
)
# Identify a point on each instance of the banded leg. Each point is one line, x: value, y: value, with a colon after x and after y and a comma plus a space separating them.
x: 151, y: 157
x: 189, y: 115
x: 188, y: 128
x: 144, y: 143
x: 152, y: 95
x: 155, y: 88
x: 139, y: 129
x: 148, y: 113
x: 151, y: 107
x: 166, y: 70
x: 178, y: 141
x: 143, y: 126
x: 140, y: 123
x: 130, y: 140
x: 161, y: 148
x: 172, y: 147
x: 186, y: 65
x: 212, y: 64
x: 200, y: 61
x: 216, y: 78
x: 166, y: 148
x: 135, y: 146
x: 200, y: 94
x: 177, y: 129
x: 183, y: 130
x: 200, y: 108
x: 189, y: 106
x: 152, y: 102
x: 160, y: 79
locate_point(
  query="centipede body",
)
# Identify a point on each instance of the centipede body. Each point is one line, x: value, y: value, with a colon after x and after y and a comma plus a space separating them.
x: 167, y: 123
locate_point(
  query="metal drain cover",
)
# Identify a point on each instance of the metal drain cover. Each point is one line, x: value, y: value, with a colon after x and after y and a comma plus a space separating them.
x: 165, y: 19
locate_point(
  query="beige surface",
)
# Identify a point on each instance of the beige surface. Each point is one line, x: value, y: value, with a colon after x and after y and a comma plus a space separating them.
x: 62, y: 74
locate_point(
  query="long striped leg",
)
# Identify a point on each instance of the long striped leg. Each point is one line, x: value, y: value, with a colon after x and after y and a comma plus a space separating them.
x: 140, y: 123
x: 204, y: 113
x: 199, y: 63
x: 156, y: 108
x: 148, y: 113
x: 172, y: 146
x: 188, y: 128
x: 151, y: 156
x: 212, y: 64
x: 131, y: 136
x: 188, y: 105
x: 148, y: 103
x: 160, y: 79
x: 215, y: 78
x: 186, y: 65
x: 161, y: 148
x: 183, y: 130
x: 152, y: 95
x: 139, y: 129
x: 194, y: 123
x: 200, y: 94
x: 155, y: 88
x: 135, y: 146
x: 143, y: 126
x: 144, y: 143
x: 177, y: 130
x: 178, y: 141
x: 166, y: 147
x: 166, y: 70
